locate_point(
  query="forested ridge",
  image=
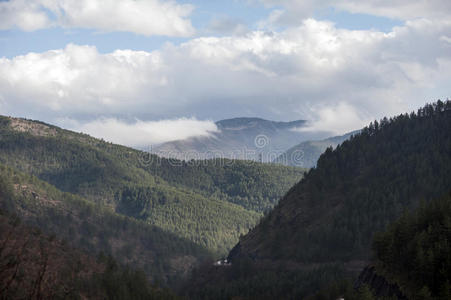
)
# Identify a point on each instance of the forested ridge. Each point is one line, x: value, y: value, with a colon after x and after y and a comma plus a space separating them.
x: 322, y: 230
x: 360, y: 187
x: 369, y: 201
x: 414, y: 252
x: 94, y: 229
x: 35, y: 265
x: 410, y: 259
x: 210, y: 202
x: 306, y: 153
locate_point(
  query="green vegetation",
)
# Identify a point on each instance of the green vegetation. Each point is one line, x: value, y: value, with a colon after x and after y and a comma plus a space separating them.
x: 212, y: 223
x: 414, y: 253
x: 84, y: 225
x: 37, y: 266
x: 252, y: 185
x: 411, y: 258
x: 360, y: 187
x: 209, y: 202
x: 331, y: 216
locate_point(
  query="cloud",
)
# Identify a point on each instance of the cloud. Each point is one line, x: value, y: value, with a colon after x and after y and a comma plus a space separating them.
x: 305, y: 72
x: 294, y: 12
x: 290, y: 12
x: 400, y: 9
x: 145, y: 17
x: 26, y: 15
x: 142, y: 134
x: 227, y: 26
x: 338, y: 119
x: 79, y: 80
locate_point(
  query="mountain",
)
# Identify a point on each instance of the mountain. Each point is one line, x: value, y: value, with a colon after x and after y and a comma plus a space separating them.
x: 93, y: 229
x: 413, y: 254
x: 410, y: 259
x: 241, y: 138
x: 306, y: 154
x: 321, y: 231
x: 208, y: 202
x: 35, y: 265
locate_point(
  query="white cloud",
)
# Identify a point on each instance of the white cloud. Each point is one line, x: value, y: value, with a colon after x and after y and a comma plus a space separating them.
x: 338, y: 119
x: 146, y: 17
x: 80, y: 80
x: 27, y: 15
x: 310, y: 71
x: 142, y: 134
x: 290, y: 12
x: 401, y: 9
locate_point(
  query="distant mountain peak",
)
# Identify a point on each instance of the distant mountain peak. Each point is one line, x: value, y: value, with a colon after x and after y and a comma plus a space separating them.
x: 249, y: 122
x: 241, y: 138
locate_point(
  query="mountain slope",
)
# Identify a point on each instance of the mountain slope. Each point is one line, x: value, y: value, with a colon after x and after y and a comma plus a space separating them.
x: 306, y: 154
x: 410, y: 259
x: 38, y: 266
x: 209, y: 202
x: 359, y: 188
x: 414, y: 253
x: 321, y: 230
x: 94, y: 229
x: 240, y: 138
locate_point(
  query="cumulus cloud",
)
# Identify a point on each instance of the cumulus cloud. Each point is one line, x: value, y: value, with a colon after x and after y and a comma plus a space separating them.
x: 26, y: 15
x: 142, y: 134
x: 149, y: 17
x: 80, y: 80
x: 311, y: 71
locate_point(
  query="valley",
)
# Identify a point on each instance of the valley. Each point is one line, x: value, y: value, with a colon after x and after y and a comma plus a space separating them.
x: 173, y: 219
x: 202, y: 207
x: 225, y: 150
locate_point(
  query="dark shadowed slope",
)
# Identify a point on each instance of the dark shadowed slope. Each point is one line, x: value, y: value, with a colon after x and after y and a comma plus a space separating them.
x: 322, y: 229
x: 359, y: 188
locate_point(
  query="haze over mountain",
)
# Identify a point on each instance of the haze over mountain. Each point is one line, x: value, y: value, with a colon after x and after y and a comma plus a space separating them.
x: 242, y: 138
x: 200, y: 208
x: 306, y: 154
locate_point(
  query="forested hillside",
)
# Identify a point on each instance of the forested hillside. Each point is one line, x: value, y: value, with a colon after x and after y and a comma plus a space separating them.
x: 35, y: 265
x: 411, y: 259
x: 307, y: 153
x: 93, y: 229
x: 322, y: 229
x: 209, y: 202
x: 414, y: 253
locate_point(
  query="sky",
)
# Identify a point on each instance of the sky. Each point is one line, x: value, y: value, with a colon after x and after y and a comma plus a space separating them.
x: 143, y: 72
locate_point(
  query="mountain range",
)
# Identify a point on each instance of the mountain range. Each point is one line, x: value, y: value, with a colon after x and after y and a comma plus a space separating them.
x: 241, y: 138
x: 161, y: 215
x: 79, y: 217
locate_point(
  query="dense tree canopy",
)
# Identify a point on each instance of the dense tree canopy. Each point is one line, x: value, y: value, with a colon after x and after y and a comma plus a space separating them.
x: 210, y: 202
x: 324, y: 226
